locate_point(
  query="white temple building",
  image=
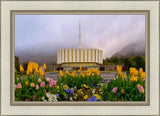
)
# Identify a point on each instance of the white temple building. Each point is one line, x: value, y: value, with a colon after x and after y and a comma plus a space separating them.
x: 72, y: 59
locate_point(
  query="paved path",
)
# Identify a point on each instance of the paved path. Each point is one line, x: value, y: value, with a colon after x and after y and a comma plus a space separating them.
x: 54, y: 75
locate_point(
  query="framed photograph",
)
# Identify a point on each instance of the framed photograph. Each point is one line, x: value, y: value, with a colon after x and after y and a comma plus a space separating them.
x: 79, y: 58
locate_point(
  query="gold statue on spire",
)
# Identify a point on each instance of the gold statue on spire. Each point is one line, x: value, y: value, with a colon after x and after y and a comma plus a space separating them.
x: 79, y: 22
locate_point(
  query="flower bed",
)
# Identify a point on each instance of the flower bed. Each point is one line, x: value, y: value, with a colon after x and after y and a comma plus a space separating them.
x: 79, y: 86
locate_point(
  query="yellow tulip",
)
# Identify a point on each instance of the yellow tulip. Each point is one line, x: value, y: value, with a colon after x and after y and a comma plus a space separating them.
x: 132, y: 78
x: 32, y: 85
x: 124, y: 76
x: 136, y: 72
x: 37, y: 65
x: 140, y: 71
x: 40, y: 69
x: 135, y: 78
x: 41, y: 73
x: 61, y: 73
x: 98, y: 72
x: 119, y: 72
x: 72, y: 74
x: 120, y: 68
x: 88, y: 74
x: 21, y: 68
x: 138, y: 85
x: 132, y: 70
x: 26, y: 83
x: 67, y: 72
x: 122, y: 91
x: 117, y: 68
x: 34, y: 67
x: 44, y: 66
x: 28, y: 73
x: 143, y: 75
x: 36, y: 71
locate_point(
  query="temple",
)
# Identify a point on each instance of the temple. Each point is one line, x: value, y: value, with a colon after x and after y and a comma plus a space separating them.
x: 73, y: 59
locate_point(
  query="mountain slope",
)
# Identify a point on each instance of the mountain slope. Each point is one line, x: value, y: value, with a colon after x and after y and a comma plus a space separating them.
x: 131, y: 50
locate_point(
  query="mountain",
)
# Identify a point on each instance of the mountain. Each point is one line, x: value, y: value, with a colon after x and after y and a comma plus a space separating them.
x: 131, y: 50
x: 40, y: 59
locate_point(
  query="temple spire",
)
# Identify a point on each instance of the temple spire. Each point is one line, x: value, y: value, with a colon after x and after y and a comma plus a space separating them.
x: 80, y: 46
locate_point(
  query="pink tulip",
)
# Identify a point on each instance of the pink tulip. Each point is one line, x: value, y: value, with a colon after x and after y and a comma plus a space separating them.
x: 114, y: 90
x: 19, y: 85
x: 37, y: 86
x: 15, y: 87
x: 141, y: 89
x: 42, y: 84
x: 50, y: 80
x: 51, y: 84
x: 54, y: 82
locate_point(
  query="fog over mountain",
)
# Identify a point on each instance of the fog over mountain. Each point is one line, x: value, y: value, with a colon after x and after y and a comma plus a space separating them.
x: 131, y: 50
x: 38, y: 37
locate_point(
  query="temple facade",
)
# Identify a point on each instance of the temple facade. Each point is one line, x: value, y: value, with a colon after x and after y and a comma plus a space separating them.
x: 72, y: 59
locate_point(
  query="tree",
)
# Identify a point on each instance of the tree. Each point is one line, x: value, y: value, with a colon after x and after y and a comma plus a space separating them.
x: 129, y: 62
x: 17, y: 63
x: 115, y: 60
x: 139, y: 62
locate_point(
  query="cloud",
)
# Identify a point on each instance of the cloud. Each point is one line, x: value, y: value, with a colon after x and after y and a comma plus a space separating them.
x: 48, y: 33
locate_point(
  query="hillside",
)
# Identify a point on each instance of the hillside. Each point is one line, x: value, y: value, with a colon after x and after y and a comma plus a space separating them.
x: 131, y: 50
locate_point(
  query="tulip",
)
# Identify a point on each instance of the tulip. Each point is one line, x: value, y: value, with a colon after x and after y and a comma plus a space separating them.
x: 19, y: 85
x: 42, y: 84
x: 37, y: 86
x: 122, y: 91
x: 44, y: 66
x: 47, y: 79
x: 39, y: 80
x: 61, y: 73
x: 143, y: 75
x: 41, y: 73
x: 132, y: 78
x: 36, y: 70
x: 124, y: 76
x: 140, y: 71
x: 50, y: 80
x: 26, y: 83
x: 32, y: 85
x: 117, y: 68
x: 15, y: 87
x: 51, y: 84
x: 54, y: 82
x: 114, y: 90
x: 135, y: 78
x: 21, y: 68
x: 141, y: 89
x: 138, y: 85
x: 28, y: 73
x: 67, y: 72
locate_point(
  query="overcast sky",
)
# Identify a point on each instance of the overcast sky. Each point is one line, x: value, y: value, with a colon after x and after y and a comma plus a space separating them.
x: 48, y: 33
